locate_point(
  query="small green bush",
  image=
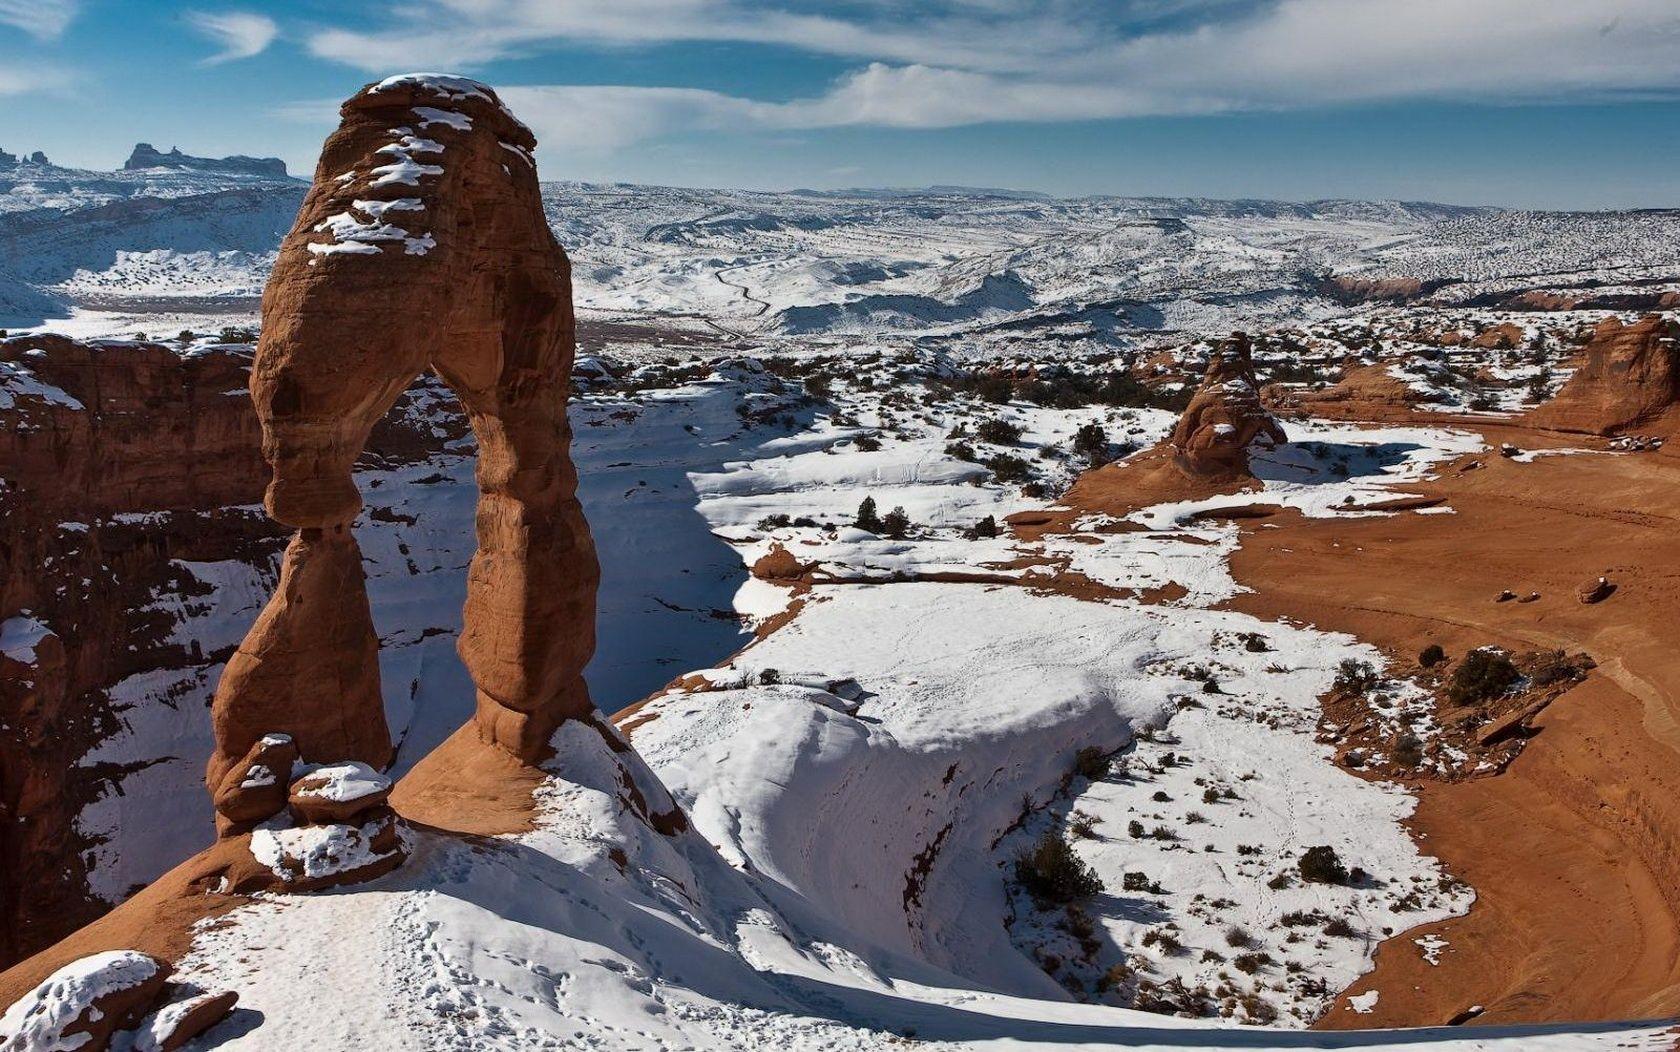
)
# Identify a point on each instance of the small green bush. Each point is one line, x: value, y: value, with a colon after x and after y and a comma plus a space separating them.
x: 1092, y: 763
x: 1484, y: 673
x: 1052, y: 872
x: 1355, y: 677
x: 1321, y: 866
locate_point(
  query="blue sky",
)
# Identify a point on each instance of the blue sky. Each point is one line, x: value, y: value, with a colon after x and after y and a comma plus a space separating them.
x: 1548, y: 103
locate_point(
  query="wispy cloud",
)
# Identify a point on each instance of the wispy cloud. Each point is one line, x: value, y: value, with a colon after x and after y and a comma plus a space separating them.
x: 952, y: 62
x: 41, y: 19
x: 239, y: 34
x: 22, y: 78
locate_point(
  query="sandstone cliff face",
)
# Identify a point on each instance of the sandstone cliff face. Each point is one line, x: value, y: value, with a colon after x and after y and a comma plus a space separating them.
x: 1225, y: 417
x: 92, y: 435
x: 121, y: 463
x: 1630, y: 379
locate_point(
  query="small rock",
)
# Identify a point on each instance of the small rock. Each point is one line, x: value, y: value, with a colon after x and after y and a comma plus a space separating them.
x: 173, y: 1025
x: 338, y: 793
x: 255, y: 787
x: 1595, y: 591
x: 1505, y: 596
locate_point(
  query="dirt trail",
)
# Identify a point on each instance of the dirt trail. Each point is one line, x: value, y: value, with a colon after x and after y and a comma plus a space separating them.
x: 1575, y: 850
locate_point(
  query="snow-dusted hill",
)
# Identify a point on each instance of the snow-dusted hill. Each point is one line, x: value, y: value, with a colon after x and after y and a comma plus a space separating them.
x: 940, y: 260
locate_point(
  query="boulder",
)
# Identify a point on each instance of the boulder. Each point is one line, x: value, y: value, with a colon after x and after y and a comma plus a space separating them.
x: 1630, y: 378
x: 84, y: 1003
x: 172, y: 1026
x: 1595, y: 591
x: 1225, y: 417
x: 313, y: 857
x: 255, y: 787
x: 338, y: 793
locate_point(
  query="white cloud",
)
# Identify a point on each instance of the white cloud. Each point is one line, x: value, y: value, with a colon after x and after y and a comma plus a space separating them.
x: 24, y: 79
x: 956, y: 62
x: 239, y: 34
x: 41, y: 19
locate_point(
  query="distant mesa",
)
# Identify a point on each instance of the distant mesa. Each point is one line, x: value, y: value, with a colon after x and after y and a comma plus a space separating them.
x: 146, y: 155
x: 8, y: 161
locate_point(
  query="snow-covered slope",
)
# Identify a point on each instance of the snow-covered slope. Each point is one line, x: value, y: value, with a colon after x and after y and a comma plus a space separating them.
x: 767, y: 263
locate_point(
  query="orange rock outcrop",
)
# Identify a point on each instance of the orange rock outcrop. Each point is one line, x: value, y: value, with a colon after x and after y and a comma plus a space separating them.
x: 1225, y: 417
x: 1630, y: 379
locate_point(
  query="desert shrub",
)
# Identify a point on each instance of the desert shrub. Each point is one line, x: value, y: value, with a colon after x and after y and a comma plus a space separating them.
x: 1484, y: 673
x: 1432, y: 655
x: 961, y: 451
x: 867, y: 517
x: 1340, y: 928
x: 769, y: 677
x: 1135, y: 881
x: 1134, y: 829
x: 1255, y: 643
x: 896, y: 524
x: 1258, y: 1010
x: 1355, y: 677
x: 985, y: 528
x: 1408, y: 750
x: 867, y: 443
x: 1210, y: 795
x: 1114, y: 978
x: 998, y: 432
x: 1082, y: 825
x: 1092, y: 763
x: 774, y: 522
x: 1236, y: 935
x: 1035, y: 490
x: 1006, y: 467
x: 1194, y: 818
x: 1091, y: 442
x: 1554, y: 667
x: 995, y: 389
x: 1052, y: 872
x: 1321, y: 866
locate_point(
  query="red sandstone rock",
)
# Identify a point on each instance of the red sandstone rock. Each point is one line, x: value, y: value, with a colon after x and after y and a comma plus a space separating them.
x: 339, y: 793
x: 84, y: 1003
x: 309, y: 667
x: 778, y: 564
x: 172, y: 1026
x: 1225, y: 417
x: 255, y: 788
x: 422, y: 243
x: 1502, y: 337
x: 1595, y: 591
x: 1630, y: 379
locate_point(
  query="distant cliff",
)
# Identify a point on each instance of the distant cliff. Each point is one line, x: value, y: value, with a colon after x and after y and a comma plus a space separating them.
x: 146, y: 155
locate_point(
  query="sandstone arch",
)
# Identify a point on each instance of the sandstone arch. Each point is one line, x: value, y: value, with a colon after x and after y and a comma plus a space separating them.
x: 421, y: 244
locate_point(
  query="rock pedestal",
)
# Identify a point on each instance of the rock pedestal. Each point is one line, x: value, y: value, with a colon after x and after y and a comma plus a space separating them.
x: 1225, y: 417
